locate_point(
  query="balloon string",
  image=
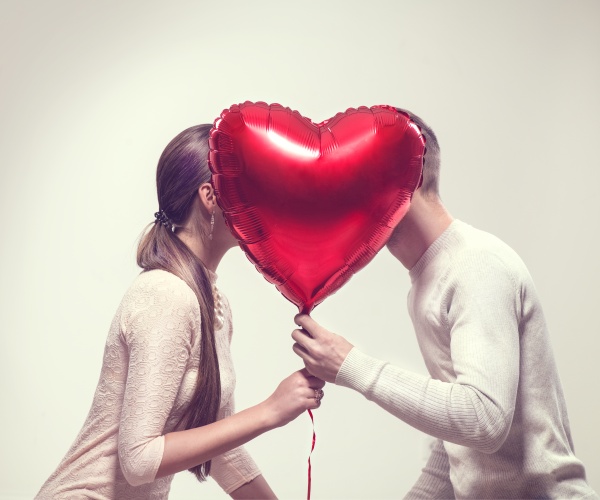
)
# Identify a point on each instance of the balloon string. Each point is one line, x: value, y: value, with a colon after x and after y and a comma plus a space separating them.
x: 314, y: 440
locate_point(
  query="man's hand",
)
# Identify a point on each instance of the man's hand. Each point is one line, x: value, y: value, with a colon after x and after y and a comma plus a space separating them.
x: 322, y: 351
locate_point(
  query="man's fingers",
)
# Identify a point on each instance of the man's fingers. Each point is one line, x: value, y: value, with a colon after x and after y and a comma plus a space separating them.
x: 307, y: 323
x: 300, y: 350
x: 301, y: 337
x: 303, y: 353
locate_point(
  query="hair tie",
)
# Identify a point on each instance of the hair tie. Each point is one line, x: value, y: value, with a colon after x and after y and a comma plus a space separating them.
x: 161, y: 217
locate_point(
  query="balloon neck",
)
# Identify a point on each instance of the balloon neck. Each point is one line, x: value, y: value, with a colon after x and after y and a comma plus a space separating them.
x: 305, y: 308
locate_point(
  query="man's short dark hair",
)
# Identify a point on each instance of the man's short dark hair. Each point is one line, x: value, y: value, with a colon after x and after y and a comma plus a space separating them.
x: 431, y: 163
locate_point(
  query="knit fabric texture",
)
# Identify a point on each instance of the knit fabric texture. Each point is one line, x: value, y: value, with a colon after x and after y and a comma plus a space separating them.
x: 493, y: 397
x: 148, y: 377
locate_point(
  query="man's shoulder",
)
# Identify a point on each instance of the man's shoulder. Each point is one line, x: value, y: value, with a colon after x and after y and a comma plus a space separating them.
x: 477, y: 243
x: 478, y: 253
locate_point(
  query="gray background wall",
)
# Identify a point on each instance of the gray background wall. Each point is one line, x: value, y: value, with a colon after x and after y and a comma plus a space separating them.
x: 91, y: 92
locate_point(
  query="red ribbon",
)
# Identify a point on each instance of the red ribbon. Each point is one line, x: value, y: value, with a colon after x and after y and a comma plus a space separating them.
x: 314, y: 440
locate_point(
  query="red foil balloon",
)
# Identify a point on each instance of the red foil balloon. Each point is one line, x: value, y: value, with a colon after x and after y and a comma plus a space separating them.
x: 311, y: 204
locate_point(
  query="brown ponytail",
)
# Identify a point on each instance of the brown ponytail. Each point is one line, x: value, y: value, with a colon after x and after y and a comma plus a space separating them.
x: 182, y: 168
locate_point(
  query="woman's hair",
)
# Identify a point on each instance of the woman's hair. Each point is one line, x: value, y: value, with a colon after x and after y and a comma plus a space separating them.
x: 182, y: 168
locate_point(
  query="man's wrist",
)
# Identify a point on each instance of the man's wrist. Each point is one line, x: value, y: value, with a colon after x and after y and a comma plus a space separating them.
x: 359, y: 371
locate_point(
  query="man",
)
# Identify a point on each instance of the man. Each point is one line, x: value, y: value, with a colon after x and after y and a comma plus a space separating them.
x: 493, y: 398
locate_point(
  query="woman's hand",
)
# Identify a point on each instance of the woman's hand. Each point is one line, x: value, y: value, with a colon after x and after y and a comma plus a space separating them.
x: 294, y: 395
x: 186, y: 449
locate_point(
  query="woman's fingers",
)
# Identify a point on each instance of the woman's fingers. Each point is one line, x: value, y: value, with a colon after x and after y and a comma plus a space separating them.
x: 314, y: 397
x: 313, y: 389
x: 317, y: 383
x: 311, y: 379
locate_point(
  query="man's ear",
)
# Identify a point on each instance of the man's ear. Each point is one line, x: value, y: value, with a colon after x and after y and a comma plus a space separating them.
x: 207, y: 195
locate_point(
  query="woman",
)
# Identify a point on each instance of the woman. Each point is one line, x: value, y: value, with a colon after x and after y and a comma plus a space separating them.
x: 164, y: 401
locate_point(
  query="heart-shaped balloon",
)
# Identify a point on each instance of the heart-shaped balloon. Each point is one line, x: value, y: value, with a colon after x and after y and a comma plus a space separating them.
x: 311, y: 204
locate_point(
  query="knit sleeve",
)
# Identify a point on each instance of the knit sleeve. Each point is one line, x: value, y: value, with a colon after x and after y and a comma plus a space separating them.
x: 157, y: 329
x: 434, y: 481
x: 476, y: 409
x: 236, y: 467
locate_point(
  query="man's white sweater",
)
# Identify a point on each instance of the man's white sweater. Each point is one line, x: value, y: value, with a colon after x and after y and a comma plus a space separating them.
x: 493, y: 398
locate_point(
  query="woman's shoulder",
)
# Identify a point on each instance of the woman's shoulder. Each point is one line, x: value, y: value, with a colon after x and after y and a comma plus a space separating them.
x: 158, y: 286
x: 158, y: 297
x: 159, y: 279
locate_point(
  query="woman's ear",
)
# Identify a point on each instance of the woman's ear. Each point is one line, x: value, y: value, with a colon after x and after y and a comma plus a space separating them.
x: 207, y: 195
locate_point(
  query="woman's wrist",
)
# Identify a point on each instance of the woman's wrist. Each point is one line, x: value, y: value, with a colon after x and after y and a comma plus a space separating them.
x: 266, y: 416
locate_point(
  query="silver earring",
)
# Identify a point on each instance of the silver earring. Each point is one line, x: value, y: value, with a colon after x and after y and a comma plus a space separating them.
x: 212, y: 226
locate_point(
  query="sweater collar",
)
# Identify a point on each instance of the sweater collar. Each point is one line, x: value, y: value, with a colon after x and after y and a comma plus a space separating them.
x: 435, y: 249
x: 211, y: 276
